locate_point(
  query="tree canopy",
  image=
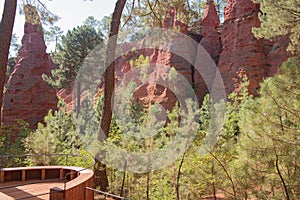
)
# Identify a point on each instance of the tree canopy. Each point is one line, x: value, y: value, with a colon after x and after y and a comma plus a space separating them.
x: 269, y: 145
x: 71, y: 52
x: 152, y: 13
x: 280, y: 17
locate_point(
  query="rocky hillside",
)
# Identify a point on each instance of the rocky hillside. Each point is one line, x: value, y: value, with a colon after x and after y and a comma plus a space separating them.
x: 231, y: 45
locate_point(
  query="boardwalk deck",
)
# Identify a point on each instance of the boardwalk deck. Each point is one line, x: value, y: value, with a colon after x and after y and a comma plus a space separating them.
x: 27, y: 190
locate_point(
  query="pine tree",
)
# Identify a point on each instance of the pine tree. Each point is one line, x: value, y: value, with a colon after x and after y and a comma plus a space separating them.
x: 152, y: 13
x: 280, y: 17
x: 58, y: 135
x: 269, y: 145
x: 53, y: 35
x: 72, y: 51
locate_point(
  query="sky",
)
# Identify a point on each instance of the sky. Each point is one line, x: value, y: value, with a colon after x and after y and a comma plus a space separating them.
x: 71, y: 12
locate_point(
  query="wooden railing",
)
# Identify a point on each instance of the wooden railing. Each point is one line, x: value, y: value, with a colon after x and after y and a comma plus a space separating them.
x: 12, y: 160
x: 106, y: 194
x: 74, y: 180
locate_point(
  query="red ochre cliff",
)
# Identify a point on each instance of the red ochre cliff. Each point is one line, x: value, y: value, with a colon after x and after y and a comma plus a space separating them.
x: 231, y: 45
x: 243, y: 54
x: 27, y: 96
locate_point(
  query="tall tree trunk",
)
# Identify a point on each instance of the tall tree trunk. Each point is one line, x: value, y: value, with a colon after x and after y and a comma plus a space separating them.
x: 6, y: 28
x: 148, y: 187
x: 109, y: 78
x: 177, y: 186
x: 123, y: 181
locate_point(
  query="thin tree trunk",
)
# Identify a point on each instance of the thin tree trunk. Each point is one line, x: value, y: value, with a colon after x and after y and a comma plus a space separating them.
x: 286, y: 191
x: 226, y: 172
x: 6, y: 28
x: 277, y: 165
x: 109, y: 80
x: 123, y: 181
x: 148, y: 186
x: 100, y: 176
x: 177, y: 186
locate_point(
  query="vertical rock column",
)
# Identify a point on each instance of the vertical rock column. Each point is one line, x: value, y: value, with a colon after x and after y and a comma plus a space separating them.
x: 241, y: 53
x: 211, y: 40
x: 211, y: 43
x: 27, y: 96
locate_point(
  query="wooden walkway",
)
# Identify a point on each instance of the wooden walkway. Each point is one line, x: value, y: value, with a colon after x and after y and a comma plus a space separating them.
x: 28, y: 190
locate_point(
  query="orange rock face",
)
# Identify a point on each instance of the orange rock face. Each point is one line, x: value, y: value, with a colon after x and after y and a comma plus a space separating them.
x: 211, y: 40
x: 233, y: 48
x: 28, y: 97
x: 242, y: 53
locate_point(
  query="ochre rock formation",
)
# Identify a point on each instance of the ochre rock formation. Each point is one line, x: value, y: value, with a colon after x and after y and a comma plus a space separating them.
x: 162, y: 58
x: 211, y: 43
x: 27, y: 96
x: 232, y: 46
x: 173, y: 22
x: 211, y: 40
x: 242, y: 53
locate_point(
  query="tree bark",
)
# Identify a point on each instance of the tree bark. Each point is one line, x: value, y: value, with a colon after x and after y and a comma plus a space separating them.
x: 6, y: 28
x: 226, y: 172
x: 109, y: 80
x: 177, y: 186
x: 123, y: 181
x: 286, y: 191
x: 148, y: 187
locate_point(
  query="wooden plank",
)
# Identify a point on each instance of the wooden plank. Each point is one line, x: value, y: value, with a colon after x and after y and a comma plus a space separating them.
x: 5, y: 197
x: 23, y: 175
x: 2, y: 173
x: 18, y: 189
x: 43, y: 175
x: 73, y: 175
x: 57, y: 194
x: 61, y: 174
x: 75, y: 188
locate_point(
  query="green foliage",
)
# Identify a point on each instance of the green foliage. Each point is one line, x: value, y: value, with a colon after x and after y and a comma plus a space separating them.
x: 53, y: 35
x: 136, y: 183
x: 88, y: 119
x: 199, y: 6
x: 45, y: 15
x: 140, y: 62
x: 280, y: 17
x: 269, y: 147
x: 152, y: 13
x: 11, y: 137
x: 255, y: 157
x: 206, y: 172
x: 57, y: 136
x: 102, y: 26
x: 72, y: 51
x: 162, y: 184
x: 105, y: 25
